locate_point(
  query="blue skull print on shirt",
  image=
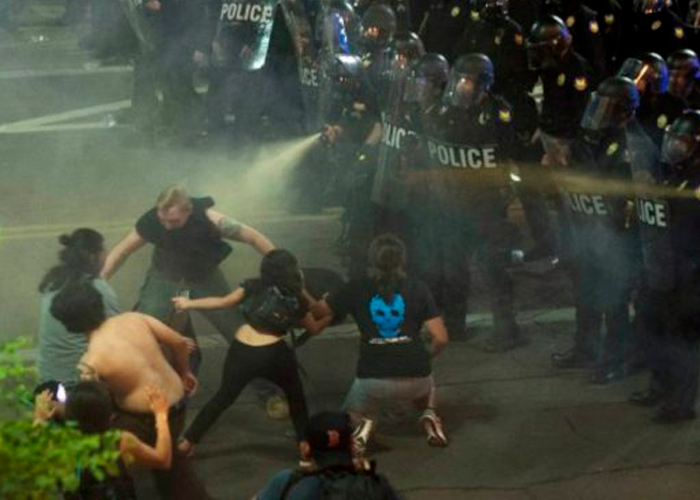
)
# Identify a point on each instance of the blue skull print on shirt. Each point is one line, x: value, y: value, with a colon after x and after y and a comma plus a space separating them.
x: 388, y: 317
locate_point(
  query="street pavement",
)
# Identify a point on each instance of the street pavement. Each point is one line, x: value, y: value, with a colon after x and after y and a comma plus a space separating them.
x: 518, y: 429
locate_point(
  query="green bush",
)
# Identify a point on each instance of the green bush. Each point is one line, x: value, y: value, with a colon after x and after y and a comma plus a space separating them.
x: 37, y: 462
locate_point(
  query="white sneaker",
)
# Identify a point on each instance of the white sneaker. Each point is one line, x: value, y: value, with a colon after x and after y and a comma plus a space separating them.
x: 361, y: 436
x: 432, y: 425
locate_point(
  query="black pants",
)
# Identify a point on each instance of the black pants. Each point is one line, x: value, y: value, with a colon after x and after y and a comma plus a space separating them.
x: 178, y: 482
x: 244, y: 363
x: 602, y: 283
x: 442, y: 241
x: 673, y: 350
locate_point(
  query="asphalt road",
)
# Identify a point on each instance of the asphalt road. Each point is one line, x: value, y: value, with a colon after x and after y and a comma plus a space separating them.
x: 519, y: 430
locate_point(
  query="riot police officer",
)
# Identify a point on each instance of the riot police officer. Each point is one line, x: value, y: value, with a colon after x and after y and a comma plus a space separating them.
x: 440, y: 23
x: 352, y: 131
x: 566, y: 81
x: 377, y: 31
x: 657, y: 29
x: 492, y: 32
x: 602, y: 241
x: 582, y: 23
x: 467, y: 142
x: 398, y: 120
x: 684, y: 77
x: 669, y: 221
x: 658, y: 108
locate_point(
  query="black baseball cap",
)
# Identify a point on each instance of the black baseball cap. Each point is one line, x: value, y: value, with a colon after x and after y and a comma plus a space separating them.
x: 329, y: 435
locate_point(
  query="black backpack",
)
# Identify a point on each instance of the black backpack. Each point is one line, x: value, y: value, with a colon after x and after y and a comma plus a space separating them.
x: 344, y: 482
x: 271, y: 309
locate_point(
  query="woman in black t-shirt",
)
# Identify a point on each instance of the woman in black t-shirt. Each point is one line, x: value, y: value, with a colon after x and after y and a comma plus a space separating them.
x: 272, y: 305
x: 394, y: 365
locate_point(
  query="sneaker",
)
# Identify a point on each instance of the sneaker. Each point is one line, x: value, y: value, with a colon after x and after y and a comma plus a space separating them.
x: 432, y: 425
x: 276, y: 407
x: 361, y: 436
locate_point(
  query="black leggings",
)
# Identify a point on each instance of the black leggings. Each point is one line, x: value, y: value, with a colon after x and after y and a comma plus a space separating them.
x: 244, y: 363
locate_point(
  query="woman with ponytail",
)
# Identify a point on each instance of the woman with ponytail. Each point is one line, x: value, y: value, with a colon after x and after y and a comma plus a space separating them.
x: 394, y: 365
x: 81, y: 258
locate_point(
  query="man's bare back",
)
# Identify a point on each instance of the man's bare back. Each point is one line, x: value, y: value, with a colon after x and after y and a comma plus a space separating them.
x: 125, y: 353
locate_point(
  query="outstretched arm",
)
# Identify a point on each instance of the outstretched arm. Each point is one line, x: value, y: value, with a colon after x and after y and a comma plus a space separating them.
x: 118, y: 255
x: 231, y: 300
x: 233, y: 230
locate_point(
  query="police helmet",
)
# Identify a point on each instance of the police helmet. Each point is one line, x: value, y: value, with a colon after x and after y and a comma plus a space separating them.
x: 343, y: 70
x: 681, y: 140
x: 337, y: 26
x: 649, y: 73
x: 611, y: 105
x: 378, y: 26
x: 548, y: 41
x: 650, y: 6
x: 404, y: 50
x: 470, y: 78
x: 684, y: 71
x: 428, y: 78
x: 491, y: 9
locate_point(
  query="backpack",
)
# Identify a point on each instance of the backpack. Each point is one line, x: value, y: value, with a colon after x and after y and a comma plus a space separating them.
x: 272, y: 310
x: 344, y: 483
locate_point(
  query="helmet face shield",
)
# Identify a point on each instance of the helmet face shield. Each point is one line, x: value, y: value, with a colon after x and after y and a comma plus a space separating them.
x: 463, y: 91
x: 602, y: 112
x: 540, y: 56
x: 680, y: 84
x: 677, y: 148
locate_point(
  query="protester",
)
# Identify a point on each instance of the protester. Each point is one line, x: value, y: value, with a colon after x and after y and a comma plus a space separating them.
x: 327, y: 448
x: 394, y: 365
x: 81, y: 259
x: 125, y: 352
x: 272, y: 305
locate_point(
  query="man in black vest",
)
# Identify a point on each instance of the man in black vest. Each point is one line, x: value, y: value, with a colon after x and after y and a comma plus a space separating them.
x: 188, y: 236
x: 669, y: 307
x: 467, y: 140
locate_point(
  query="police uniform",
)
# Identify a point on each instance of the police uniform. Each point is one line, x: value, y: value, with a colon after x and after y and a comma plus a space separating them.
x: 469, y: 178
x: 657, y: 112
x: 584, y: 26
x: 603, y: 246
x: 503, y: 41
x: 662, y: 32
x: 669, y: 308
x: 354, y: 164
x: 440, y: 23
x: 565, y: 93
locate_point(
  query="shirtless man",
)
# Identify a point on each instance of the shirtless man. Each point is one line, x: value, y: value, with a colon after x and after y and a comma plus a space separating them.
x: 125, y: 352
x: 190, y: 241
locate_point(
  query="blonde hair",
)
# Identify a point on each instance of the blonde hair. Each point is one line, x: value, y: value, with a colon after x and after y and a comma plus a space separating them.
x: 173, y: 196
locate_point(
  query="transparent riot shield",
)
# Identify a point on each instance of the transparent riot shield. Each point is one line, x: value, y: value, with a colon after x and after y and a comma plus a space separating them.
x: 397, y: 119
x: 242, y: 34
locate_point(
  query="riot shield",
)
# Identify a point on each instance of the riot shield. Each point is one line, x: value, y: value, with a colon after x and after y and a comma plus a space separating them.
x: 242, y: 34
x: 397, y: 117
x: 300, y: 20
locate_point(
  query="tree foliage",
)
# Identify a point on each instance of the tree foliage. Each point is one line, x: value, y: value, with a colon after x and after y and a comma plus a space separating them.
x: 37, y: 462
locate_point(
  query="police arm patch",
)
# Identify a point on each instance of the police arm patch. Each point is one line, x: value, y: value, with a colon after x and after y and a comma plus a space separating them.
x: 504, y: 115
x: 581, y: 83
